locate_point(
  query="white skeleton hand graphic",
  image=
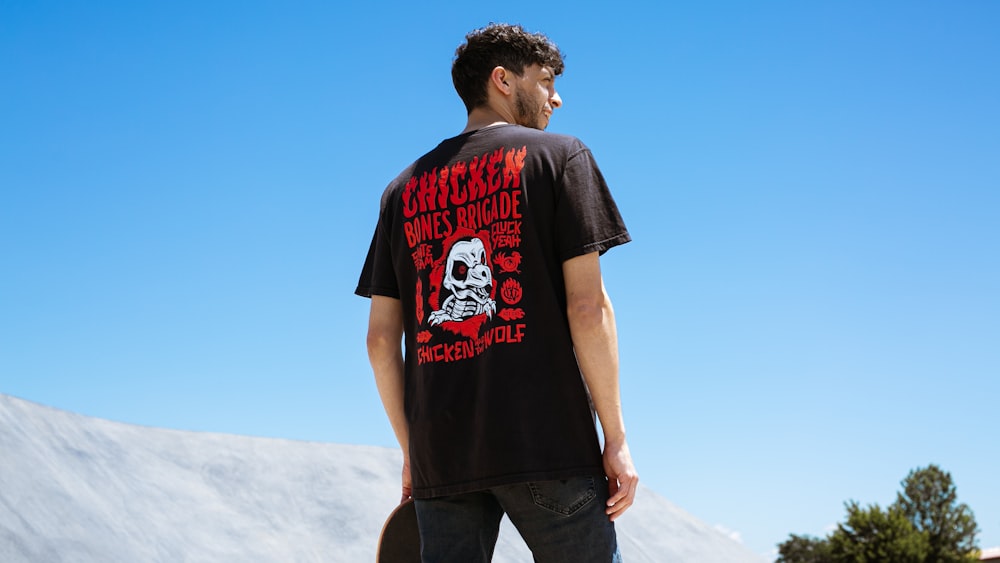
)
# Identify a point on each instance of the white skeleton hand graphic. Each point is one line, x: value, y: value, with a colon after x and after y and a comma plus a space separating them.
x: 470, y: 280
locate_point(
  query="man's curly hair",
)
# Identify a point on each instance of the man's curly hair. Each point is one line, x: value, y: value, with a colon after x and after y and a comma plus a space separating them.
x: 498, y: 44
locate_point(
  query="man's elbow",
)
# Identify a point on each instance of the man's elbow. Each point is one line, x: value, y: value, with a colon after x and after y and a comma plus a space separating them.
x: 591, y: 312
x: 381, y: 341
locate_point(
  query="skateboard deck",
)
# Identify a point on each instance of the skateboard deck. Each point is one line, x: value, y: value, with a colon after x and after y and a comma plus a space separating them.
x: 399, y: 541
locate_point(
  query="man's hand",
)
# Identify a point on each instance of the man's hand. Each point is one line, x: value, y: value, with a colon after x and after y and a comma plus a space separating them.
x: 407, y: 482
x: 623, y: 481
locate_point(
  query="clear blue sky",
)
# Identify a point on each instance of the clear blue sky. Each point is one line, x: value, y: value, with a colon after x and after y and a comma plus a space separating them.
x: 809, y: 310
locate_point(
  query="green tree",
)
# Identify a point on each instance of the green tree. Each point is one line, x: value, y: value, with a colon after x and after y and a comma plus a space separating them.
x: 926, y: 524
x: 873, y: 535
x: 804, y: 549
x: 930, y: 501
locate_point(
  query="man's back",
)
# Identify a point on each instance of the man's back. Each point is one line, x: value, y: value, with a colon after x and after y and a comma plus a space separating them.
x: 473, y: 237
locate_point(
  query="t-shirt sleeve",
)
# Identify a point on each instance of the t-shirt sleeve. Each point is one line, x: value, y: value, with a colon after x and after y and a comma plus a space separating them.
x: 587, y: 218
x: 377, y: 275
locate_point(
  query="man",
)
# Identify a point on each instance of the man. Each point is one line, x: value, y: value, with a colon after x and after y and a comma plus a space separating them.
x: 485, y: 262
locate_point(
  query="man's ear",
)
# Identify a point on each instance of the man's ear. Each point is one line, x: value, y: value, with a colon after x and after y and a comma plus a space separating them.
x: 500, y: 79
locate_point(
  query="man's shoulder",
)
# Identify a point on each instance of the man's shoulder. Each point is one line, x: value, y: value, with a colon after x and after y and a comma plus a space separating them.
x: 474, y: 143
x: 542, y: 137
x: 499, y: 135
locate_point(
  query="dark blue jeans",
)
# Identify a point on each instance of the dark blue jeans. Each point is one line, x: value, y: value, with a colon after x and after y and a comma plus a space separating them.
x: 561, y: 521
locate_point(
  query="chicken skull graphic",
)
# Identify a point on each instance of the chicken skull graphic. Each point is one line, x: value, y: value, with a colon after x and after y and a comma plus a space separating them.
x: 470, y: 280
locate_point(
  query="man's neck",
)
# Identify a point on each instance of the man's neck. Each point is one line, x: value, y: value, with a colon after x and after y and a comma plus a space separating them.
x: 484, y: 117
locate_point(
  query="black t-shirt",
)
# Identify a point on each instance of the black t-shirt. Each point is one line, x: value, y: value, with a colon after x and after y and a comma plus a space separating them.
x: 471, y: 238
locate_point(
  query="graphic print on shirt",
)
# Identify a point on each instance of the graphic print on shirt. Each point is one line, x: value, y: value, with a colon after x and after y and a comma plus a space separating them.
x: 469, y: 279
x: 462, y: 223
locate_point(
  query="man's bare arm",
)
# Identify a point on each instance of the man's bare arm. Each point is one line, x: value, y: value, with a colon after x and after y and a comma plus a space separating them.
x: 595, y: 339
x: 385, y: 332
